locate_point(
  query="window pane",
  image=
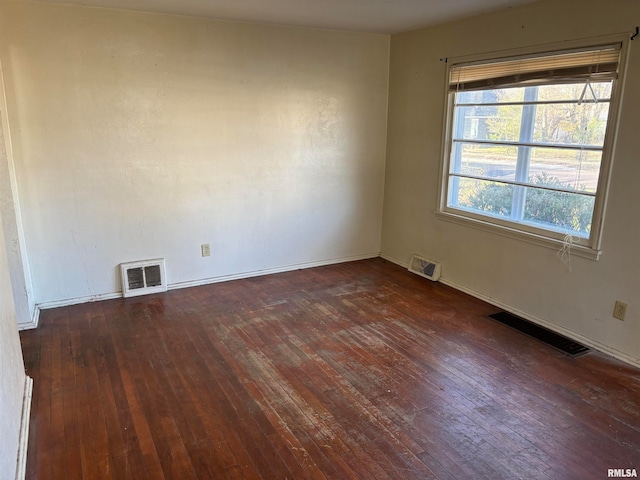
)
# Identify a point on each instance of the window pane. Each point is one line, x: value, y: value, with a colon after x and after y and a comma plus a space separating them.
x: 491, y: 96
x: 563, y: 212
x: 563, y: 123
x: 571, y: 124
x: 546, y: 93
x: 573, y: 91
x: 491, y: 161
x: 553, y: 167
x: 481, y: 196
x: 494, y: 123
x: 563, y: 168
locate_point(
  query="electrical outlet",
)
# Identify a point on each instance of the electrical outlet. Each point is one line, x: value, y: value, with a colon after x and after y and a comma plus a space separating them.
x: 206, y: 249
x: 619, y: 310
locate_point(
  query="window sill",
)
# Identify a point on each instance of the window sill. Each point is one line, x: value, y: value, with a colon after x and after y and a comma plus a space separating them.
x: 535, y: 239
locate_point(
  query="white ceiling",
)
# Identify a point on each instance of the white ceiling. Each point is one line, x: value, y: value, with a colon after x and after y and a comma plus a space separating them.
x: 376, y: 16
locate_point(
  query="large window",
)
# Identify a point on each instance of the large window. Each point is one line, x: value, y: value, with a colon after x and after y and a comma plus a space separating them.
x: 529, y: 140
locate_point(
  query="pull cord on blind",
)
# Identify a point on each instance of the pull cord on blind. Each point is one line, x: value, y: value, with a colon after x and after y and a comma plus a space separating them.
x: 599, y: 63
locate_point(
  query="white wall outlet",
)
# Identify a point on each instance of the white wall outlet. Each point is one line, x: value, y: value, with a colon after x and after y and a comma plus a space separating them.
x: 206, y: 249
x: 619, y: 310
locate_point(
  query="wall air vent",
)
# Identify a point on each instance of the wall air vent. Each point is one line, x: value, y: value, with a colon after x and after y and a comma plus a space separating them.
x: 144, y: 277
x: 425, y: 268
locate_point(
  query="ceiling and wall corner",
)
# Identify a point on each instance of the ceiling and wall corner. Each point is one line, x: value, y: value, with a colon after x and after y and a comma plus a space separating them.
x: 370, y: 16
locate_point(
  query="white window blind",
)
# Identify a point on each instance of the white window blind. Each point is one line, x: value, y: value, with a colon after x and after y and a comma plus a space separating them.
x: 600, y: 63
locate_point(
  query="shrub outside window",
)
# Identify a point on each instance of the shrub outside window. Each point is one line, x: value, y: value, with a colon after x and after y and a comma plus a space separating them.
x: 529, y: 142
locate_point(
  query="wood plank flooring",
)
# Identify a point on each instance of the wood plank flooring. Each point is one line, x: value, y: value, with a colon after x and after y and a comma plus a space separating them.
x: 353, y: 371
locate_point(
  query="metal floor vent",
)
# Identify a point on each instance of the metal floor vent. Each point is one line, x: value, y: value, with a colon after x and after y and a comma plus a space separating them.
x: 144, y: 277
x: 553, y: 339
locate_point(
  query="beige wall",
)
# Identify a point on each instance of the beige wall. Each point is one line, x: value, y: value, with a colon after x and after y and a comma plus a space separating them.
x: 525, y: 278
x: 140, y: 136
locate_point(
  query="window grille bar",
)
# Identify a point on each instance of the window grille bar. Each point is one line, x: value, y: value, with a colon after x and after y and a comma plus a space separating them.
x: 527, y: 126
x: 589, y: 148
x: 549, y: 102
x: 523, y: 184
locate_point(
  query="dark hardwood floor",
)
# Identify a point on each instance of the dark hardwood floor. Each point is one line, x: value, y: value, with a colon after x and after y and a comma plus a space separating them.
x: 359, y: 370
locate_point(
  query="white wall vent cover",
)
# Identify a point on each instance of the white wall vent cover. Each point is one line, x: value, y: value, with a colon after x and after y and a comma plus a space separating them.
x: 425, y: 268
x: 144, y: 277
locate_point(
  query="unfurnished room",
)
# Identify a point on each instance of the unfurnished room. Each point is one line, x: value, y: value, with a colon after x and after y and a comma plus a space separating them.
x: 356, y: 239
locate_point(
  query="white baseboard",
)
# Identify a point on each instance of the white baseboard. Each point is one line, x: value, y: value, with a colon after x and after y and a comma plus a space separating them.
x: 204, y: 281
x: 21, y: 470
x: 395, y: 260
x: 270, y: 271
x: 546, y: 324
x: 34, y: 321
x: 77, y: 300
x: 532, y: 318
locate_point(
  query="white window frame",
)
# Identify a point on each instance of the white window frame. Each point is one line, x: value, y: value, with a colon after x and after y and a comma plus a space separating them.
x: 586, y: 247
